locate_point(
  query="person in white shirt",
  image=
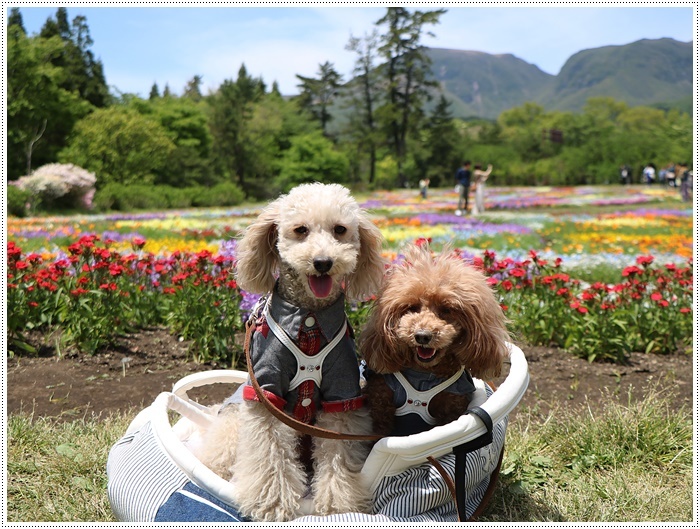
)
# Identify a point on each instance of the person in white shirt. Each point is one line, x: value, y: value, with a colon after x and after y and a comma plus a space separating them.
x: 480, y: 177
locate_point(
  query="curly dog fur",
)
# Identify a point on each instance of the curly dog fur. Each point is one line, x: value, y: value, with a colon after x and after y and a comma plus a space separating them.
x: 434, y: 314
x: 316, y: 243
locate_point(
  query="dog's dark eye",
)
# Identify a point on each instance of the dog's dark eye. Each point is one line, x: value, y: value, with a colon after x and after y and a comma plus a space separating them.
x: 339, y: 230
x: 445, y: 312
x: 301, y: 230
x: 413, y: 308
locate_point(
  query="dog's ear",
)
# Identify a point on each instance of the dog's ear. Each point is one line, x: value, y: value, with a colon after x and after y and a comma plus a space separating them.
x: 377, y: 343
x: 482, y: 317
x: 258, y: 258
x: 367, y: 277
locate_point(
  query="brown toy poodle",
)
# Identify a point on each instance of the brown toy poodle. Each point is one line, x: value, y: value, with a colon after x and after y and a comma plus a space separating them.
x: 435, y: 324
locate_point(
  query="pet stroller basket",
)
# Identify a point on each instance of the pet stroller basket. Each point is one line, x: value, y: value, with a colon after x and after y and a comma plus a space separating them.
x: 154, y: 476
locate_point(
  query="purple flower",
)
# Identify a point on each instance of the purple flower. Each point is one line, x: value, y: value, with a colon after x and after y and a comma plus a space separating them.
x: 120, y: 237
x: 248, y: 301
x: 228, y: 248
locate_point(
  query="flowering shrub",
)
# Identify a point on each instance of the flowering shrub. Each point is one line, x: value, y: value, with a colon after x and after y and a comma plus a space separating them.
x: 95, y: 293
x: 71, y: 184
x: 649, y: 310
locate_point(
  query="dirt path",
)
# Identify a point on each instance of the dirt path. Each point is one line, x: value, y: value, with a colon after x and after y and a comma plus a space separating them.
x: 130, y: 375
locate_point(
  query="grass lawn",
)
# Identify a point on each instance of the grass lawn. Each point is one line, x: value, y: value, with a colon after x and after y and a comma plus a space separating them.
x: 630, y: 463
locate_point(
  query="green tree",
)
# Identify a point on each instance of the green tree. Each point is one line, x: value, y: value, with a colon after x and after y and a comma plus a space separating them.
x: 231, y: 112
x: 119, y: 145
x: 187, y: 125
x: 193, y: 89
x: 317, y: 94
x: 39, y: 109
x: 85, y: 74
x: 274, y: 122
x: 407, y: 76
x: 365, y: 94
x: 522, y: 128
x: 155, y: 93
x: 312, y: 158
x: 15, y: 19
x: 442, y: 138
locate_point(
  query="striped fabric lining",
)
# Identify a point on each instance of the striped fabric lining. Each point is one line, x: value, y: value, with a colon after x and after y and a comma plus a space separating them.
x: 142, y: 478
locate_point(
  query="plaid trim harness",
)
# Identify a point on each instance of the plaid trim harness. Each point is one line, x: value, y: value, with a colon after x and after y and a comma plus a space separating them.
x: 335, y: 385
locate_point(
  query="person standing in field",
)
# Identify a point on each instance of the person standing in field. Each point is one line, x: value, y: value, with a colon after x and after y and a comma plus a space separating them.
x: 685, y: 178
x: 625, y: 174
x: 480, y: 177
x: 423, y: 184
x: 649, y: 173
x: 463, y: 178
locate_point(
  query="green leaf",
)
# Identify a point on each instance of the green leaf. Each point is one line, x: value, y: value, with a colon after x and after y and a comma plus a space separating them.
x: 67, y: 450
x: 24, y: 345
x: 82, y: 483
x: 541, y: 461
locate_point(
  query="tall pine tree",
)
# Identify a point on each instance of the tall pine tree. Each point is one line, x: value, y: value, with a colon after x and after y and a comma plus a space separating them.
x: 408, y: 76
x: 193, y: 89
x: 318, y: 93
x: 155, y: 93
x: 83, y: 73
x: 231, y: 113
x: 443, y: 137
x: 15, y: 19
x: 365, y: 93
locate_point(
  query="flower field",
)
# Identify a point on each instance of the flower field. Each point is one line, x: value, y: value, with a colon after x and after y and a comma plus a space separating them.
x: 600, y: 271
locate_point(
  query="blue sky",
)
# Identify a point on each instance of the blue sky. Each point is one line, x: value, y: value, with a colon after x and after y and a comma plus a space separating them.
x: 169, y: 45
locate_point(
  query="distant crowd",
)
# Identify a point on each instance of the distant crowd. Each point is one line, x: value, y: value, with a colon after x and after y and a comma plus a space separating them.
x: 674, y: 174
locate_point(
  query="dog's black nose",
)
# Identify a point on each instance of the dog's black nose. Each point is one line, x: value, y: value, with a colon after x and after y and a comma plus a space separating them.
x: 323, y: 264
x: 423, y: 337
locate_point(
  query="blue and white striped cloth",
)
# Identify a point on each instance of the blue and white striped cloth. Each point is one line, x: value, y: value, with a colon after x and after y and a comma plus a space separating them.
x: 146, y: 485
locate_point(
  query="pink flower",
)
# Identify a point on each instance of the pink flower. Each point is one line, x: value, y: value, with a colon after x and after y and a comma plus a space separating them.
x: 422, y: 241
x: 138, y: 242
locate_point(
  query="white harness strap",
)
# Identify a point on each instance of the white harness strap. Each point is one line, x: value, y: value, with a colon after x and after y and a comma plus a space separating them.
x: 308, y: 367
x: 418, y: 401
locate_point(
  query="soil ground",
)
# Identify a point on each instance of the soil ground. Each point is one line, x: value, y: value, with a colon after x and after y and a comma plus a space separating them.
x: 129, y: 375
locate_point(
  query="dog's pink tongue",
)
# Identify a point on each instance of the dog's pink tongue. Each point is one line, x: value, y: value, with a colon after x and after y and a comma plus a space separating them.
x: 321, y: 285
x: 424, y: 353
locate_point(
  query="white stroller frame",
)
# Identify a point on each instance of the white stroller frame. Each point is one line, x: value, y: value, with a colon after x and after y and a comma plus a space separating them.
x: 389, y: 456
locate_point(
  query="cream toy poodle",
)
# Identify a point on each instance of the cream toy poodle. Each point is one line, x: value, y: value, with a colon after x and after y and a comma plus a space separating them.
x: 307, y: 249
x: 435, y: 324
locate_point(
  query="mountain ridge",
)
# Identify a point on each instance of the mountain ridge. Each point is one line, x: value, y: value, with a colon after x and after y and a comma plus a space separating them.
x: 645, y: 72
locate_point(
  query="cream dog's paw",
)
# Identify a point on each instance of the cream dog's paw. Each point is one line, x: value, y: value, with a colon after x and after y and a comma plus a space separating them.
x: 341, y: 495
